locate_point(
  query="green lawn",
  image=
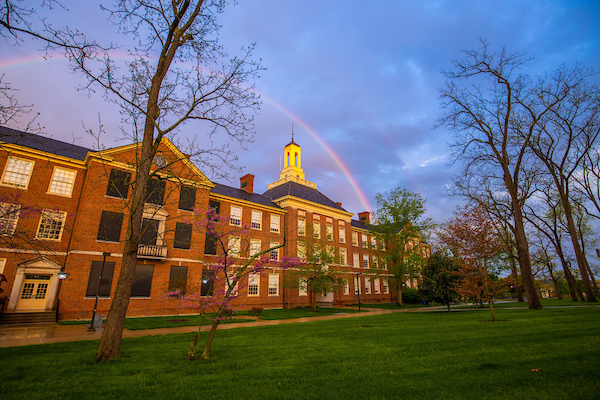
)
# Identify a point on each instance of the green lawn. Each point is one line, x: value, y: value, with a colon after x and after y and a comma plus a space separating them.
x: 545, y: 303
x: 435, y: 355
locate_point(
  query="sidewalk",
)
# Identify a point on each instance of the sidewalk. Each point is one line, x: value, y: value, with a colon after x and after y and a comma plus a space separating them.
x: 23, y: 335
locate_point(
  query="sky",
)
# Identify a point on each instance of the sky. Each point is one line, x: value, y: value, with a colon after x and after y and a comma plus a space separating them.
x: 357, y: 82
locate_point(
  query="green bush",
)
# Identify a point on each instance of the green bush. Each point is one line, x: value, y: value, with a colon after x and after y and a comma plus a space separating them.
x: 411, y: 296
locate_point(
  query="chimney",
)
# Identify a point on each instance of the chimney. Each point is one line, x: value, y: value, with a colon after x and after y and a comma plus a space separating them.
x: 339, y: 203
x: 364, y: 217
x: 247, y: 183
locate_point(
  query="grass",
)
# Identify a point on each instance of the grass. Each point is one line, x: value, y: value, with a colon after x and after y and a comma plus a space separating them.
x: 394, y: 306
x: 401, y: 355
x: 565, y: 302
x: 139, y: 323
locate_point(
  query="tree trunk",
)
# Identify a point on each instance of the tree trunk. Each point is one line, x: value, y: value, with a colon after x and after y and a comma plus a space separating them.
x: 194, y: 344
x: 399, y: 290
x: 515, y: 273
x: 555, y: 283
x: 448, y: 304
x: 211, y: 336
x: 491, y: 302
x: 573, y: 289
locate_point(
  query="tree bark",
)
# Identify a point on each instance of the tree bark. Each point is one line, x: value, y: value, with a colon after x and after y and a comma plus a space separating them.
x: 194, y: 344
x: 515, y: 273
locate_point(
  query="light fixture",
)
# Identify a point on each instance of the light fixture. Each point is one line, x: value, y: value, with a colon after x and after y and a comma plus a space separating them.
x: 63, y: 275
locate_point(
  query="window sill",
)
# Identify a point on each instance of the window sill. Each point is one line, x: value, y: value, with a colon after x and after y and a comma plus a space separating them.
x: 107, y: 241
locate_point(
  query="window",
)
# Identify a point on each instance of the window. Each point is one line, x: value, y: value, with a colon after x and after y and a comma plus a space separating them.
x: 208, y: 282
x: 342, y: 234
x: 62, y: 182
x: 357, y: 288
x: 301, y: 226
x: 345, y: 287
x: 365, y: 261
x: 355, y: 260
x: 234, y: 246
x: 215, y: 205
x: 149, y: 231
x: 301, y: 251
x: 106, y: 281
x: 232, y: 280
x: 302, y: 287
x: 155, y: 191
x: 274, y: 253
x: 376, y: 286
x: 343, y: 255
x: 187, y: 198
x: 275, y: 223
x: 273, y: 285
x: 183, y: 236
x: 256, y: 219
x: 381, y: 244
x: 373, y: 242
x: 386, y: 288
x: 253, y: 284
x: 329, y: 232
x: 2, y: 265
x: 254, y: 247
x: 142, y: 281
x: 17, y: 172
x: 210, y: 245
x: 178, y: 278
x: 317, y: 229
x: 110, y: 226
x: 51, y: 225
x: 354, y: 239
x: 118, y: 184
x: 235, y: 216
x: 374, y: 261
x: 9, y: 216
x: 364, y: 241
x: 367, y: 286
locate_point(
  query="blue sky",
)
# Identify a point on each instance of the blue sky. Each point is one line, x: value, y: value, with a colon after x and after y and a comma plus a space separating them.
x: 361, y: 76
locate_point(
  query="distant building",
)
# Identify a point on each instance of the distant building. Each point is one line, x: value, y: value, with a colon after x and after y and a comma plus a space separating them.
x: 64, y: 208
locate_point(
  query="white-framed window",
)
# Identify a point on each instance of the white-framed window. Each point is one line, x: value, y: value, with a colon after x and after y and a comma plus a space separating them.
x: 342, y: 234
x: 376, y: 286
x: 345, y: 287
x: 302, y: 287
x: 2, y: 265
x: 274, y: 223
x: 381, y: 244
x: 301, y: 251
x: 62, y: 182
x: 367, y: 286
x: 354, y: 238
x: 254, y: 247
x: 9, y: 216
x: 374, y: 261
x: 316, y: 229
x: 256, y: 220
x: 343, y: 256
x: 273, y: 285
x: 235, y: 216
x: 51, y: 225
x: 234, y: 245
x: 230, y: 282
x: 365, y: 261
x: 274, y: 253
x: 301, y: 226
x: 329, y: 231
x: 357, y: 286
x: 386, y: 286
x: 253, y: 284
x: 17, y: 172
x: 355, y: 260
x: 364, y: 241
x: 373, y: 242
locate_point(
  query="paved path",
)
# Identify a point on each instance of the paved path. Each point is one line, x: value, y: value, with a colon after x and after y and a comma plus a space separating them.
x: 28, y: 334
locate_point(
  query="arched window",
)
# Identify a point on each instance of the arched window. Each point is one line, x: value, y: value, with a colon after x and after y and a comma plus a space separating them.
x: 296, y: 159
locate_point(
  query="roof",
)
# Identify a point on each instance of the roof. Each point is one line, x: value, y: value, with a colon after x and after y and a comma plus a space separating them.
x: 360, y: 225
x: 292, y: 142
x: 43, y: 143
x: 243, y: 195
x: 302, y: 192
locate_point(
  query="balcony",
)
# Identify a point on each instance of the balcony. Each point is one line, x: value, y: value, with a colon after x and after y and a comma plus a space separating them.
x: 152, y: 251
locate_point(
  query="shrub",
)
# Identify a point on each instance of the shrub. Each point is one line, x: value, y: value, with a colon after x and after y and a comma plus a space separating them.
x: 411, y: 296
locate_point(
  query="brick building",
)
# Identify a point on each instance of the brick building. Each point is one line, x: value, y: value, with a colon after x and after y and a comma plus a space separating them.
x: 64, y: 209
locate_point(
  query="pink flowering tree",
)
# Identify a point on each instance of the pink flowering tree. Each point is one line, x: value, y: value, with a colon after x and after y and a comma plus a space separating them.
x: 230, y: 269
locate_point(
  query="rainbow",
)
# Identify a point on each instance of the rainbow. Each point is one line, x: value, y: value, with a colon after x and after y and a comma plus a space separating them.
x: 32, y: 59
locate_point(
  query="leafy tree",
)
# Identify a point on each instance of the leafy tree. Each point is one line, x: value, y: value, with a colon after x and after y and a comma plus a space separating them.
x: 477, y: 248
x: 157, y: 96
x: 440, y: 278
x: 314, y: 274
x: 400, y: 226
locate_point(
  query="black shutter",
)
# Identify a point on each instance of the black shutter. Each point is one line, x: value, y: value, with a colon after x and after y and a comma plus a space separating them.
x: 110, y: 226
x: 155, y: 191
x: 118, y: 184
x: 215, y: 205
x: 149, y: 231
x: 142, y: 282
x: 208, y: 281
x: 106, y: 282
x: 187, y: 198
x: 178, y: 278
x: 183, y: 235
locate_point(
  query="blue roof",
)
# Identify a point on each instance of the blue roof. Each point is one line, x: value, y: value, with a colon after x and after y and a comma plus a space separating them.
x: 43, y: 143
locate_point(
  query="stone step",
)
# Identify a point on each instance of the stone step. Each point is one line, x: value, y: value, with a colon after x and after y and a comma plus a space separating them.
x: 27, y: 318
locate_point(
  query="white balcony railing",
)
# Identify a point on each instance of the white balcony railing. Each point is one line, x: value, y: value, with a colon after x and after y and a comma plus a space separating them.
x: 152, y: 250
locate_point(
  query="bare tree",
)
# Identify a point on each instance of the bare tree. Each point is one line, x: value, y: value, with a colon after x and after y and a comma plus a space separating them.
x: 178, y: 74
x: 482, y: 115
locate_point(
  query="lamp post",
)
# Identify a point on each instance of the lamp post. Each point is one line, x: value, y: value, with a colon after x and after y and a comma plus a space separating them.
x: 104, y: 255
x: 358, y: 288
